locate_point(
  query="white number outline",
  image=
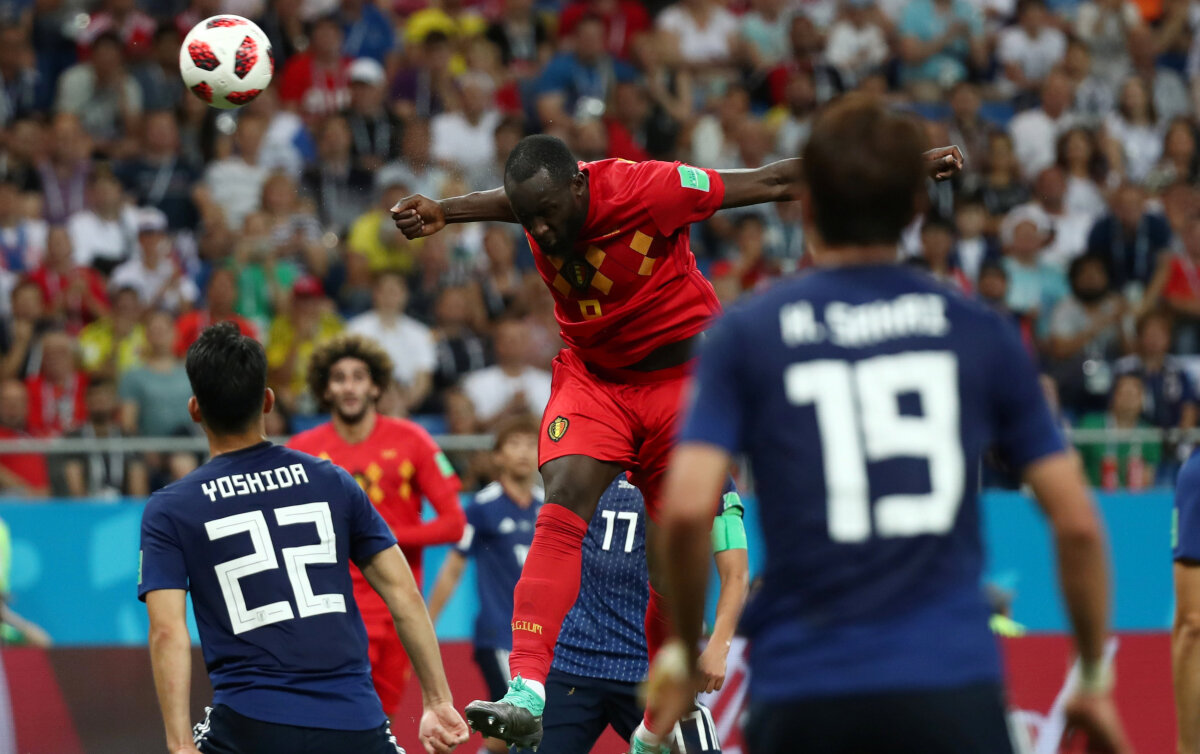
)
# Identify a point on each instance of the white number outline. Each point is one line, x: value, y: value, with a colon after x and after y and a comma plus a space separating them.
x: 859, y: 420
x: 263, y: 558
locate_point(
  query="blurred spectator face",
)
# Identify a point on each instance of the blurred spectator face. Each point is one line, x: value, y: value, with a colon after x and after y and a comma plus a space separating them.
x: 25, y: 141
x: 801, y: 92
x: 335, y: 140
x: 1051, y: 187
x: 750, y: 238
x: 1154, y: 338
x: 27, y: 303
x: 1142, y: 49
x: 14, y: 409
x: 222, y: 292
x: 160, y: 334
x: 1032, y: 17
x: 1056, y: 94
x: 365, y: 97
x: 631, y: 106
x: 937, y: 241
x: 390, y: 294
x: 248, y: 137
x: 278, y: 194
x: 58, y: 249
x: 993, y: 284
x: 166, y: 45
x: 1089, y: 281
x: 965, y: 102
x: 970, y: 219
x: 1026, y: 242
x: 1000, y: 154
x: 14, y: 49
x: 126, y: 305
x: 68, y: 141
x: 416, y: 144
x: 1077, y: 148
x: 1127, y: 396
x: 754, y: 142
x: 106, y: 194
x: 500, y: 248
x: 589, y: 40
x: 162, y: 133
x: 327, y: 41
x: 390, y: 197
x: 478, y: 95
x: 154, y: 243
x: 1127, y: 205
x: 1078, y: 61
x: 1179, y: 204
x: 452, y: 309
x: 101, y: 402
x: 589, y: 139
x: 1134, y: 103
x: 107, y: 57
x: 10, y: 201
x: 438, y: 52
x: 512, y: 343
x: 460, y: 413
x: 1180, y: 141
x: 307, y: 314
x: 508, y: 135
x: 58, y: 356
x: 804, y: 37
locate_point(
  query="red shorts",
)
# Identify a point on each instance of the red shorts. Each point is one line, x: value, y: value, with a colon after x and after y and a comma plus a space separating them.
x: 620, y: 416
x: 390, y: 668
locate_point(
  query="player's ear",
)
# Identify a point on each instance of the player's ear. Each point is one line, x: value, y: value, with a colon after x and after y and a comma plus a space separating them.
x: 578, y: 182
x: 268, y: 400
x: 194, y: 410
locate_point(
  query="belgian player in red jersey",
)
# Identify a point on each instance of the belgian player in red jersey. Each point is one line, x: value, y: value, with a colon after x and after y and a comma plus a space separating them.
x: 610, y: 239
x: 396, y: 463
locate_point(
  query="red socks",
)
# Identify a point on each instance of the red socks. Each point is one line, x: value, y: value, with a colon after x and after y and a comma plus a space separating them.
x: 658, y: 630
x: 547, y: 590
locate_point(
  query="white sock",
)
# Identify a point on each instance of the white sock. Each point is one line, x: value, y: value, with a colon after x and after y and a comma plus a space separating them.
x: 536, y: 688
x: 643, y: 734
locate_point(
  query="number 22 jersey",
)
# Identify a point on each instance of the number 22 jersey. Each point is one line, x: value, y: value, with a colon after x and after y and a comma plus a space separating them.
x: 262, y: 538
x: 864, y: 398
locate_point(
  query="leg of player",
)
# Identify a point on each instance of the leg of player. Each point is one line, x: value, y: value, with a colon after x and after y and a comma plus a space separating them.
x: 545, y: 594
x: 658, y: 630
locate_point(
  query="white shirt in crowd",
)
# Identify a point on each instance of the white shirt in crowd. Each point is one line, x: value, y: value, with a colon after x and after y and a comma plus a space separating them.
x: 1035, y: 55
x: 408, y: 342
x: 1069, y: 232
x: 855, y: 51
x: 712, y: 43
x: 469, y: 146
x: 148, y: 282
x: 491, y: 389
x: 236, y: 186
x: 1035, y: 138
x: 93, y: 238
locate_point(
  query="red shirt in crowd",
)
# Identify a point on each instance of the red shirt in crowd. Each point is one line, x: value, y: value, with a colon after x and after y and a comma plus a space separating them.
x: 56, y: 290
x: 56, y: 409
x: 316, y: 91
x: 30, y: 467
x: 1183, y: 278
x: 189, y: 326
x: 624, y: 21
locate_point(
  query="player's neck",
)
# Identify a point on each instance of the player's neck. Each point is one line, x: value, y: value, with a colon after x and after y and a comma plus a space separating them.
x: 220, y: 444
x: 855, y: 256
x: 357, y: 432
x: 519, y: 490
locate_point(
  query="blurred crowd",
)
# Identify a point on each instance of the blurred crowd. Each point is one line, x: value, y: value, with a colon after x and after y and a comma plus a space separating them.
x: 132, y: 215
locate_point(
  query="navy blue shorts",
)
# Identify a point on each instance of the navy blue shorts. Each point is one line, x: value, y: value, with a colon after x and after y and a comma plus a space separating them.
x: 224, y: 731
x: 928, y: 721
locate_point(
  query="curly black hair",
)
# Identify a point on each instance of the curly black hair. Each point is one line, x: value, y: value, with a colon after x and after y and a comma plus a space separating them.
x: 347, y: 346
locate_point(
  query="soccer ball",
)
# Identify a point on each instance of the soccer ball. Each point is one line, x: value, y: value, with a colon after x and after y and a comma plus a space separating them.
x: 226, y: 61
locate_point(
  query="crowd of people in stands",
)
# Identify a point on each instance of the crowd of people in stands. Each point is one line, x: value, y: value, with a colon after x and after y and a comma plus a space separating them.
x: 132, y: 215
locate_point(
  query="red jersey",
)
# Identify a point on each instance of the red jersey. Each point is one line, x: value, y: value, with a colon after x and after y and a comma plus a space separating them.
x: 189, y: 326
x: 1183, y: 280
x: 645, y: 290
x: 396, y: 466
x: 56, y: 409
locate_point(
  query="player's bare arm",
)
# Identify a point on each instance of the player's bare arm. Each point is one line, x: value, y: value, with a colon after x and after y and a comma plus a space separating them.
x: 733, y: 571
x: 419, y: 216
x: 171, y: 661
x: 447, y: 582
x: 1185, y: 656
x: 388, y: 573
x: 1063, y: 495
x: 694, y: 479
x: 780, y: 181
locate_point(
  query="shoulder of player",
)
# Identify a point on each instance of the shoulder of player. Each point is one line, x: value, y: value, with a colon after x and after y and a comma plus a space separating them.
x: 310, y: 438
x: 488, y: 494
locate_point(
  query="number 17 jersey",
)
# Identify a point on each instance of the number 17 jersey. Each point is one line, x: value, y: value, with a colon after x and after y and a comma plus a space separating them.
x: 864, y: 398
x: 262, y: 538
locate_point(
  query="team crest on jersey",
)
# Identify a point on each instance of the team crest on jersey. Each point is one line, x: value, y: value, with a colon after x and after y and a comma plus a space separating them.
x: 558, y: 428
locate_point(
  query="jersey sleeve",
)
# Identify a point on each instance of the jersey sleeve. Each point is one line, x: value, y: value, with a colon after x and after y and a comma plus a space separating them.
x: 369, y: 533
x: 439, y: 484
x: 1185, y: 519
x: 676, y: 195
x: 161, y: 563
x: 716, y: 412
x: 1025, y: 429
x: 468, y: 538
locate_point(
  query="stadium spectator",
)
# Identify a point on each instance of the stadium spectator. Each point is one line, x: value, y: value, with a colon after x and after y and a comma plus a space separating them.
x: 1177, y: 282
x: 159, y: 280
x: 623, y: 21
x: 264, y: 279
x: 465, y: 137
x: 1035, y: 132
x: 408, y: 342
x: 293, y: 337
x: 937, y: 254
x: 104, y: 95
x: 340, y: 190
x: 234, y: 183
x: 366, y: 30
x: 416, y: 167
x: 1034, y: 285
x: 454, y: 18
x: 421, y: 90
x: 523, y: 39
x: 154, y: 393
x: 1129, y: 239
x: 1167, y: 89
x: 699, y: 34
x: 500, y: 279
x: 63, y: 174
x: 220, y: 297
x: 511, y: 386
x: 22, y: 239
x: 376, y: 131
x: 857, y: 46
x: 105, y: 234
x: 1180, y: 161
x: 509, y: 131
x: 19, y: 85
x: 763, y: 36
x: 22, y: 156
x: 1104, y: 26
x: 1170, y: 393
x: 748, y: 265
x: 967, y: 128
x: 713, y: 138
x: 972, y: 246
x: 791, y: 120
x: 374, y: 236
x: 159, y: 175
x: 1094, y: 96
x: 296, y: 233
x: 1132, y: 132
x: 22, y: 474
x: 584, y: 70
x: 316, y: 82
x: 122, y: 20
x: 1030, y: 49
x: 114, y: 343
x: 20, y: 334
x: 1086, y: 171
x: 459, y: 346
x: 162, y: 88
x: 1069, y: 229
x: 1117, y: 463
x: 103, y: 474
x: 72, y: 293
x: 1000, y: 188
x: 56, y: 392
x: 940, y: 41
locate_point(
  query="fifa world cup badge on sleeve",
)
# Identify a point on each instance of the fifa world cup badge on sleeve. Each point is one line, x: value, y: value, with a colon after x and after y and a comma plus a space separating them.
x: 558, y: 428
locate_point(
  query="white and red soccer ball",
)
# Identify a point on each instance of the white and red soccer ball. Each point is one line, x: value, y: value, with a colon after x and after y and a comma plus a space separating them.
x: 226, y: 61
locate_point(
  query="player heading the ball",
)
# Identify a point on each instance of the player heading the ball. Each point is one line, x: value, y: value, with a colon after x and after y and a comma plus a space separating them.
x: 263, y: 537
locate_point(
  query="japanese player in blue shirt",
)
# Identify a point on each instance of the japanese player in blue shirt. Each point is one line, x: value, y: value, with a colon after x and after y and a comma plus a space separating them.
x: 1185, y: 637
x: 864, y: 395
x: 262, y: 537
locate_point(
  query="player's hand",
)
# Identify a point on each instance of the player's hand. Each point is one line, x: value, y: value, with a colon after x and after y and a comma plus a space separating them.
x: 944, y: 162
x: 671, y: 687
x: 1094, y: 716
x: 711, y: 667
x: 442, y: 729
x: 418, y: 216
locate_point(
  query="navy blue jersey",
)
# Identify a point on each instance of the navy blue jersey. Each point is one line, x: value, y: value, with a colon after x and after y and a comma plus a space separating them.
x: 498, y: 535
x: 1185, y: 521
x: 263, y: 538
x: 604, y: 635
x: 864, y: 398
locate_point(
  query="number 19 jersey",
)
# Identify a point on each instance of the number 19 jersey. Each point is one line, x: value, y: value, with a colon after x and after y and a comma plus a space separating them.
x: 864, y: 398
x: 262, y: 538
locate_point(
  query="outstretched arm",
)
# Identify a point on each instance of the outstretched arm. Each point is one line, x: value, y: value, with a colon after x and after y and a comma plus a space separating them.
x: 418, y: 216
x: 780, y: 181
